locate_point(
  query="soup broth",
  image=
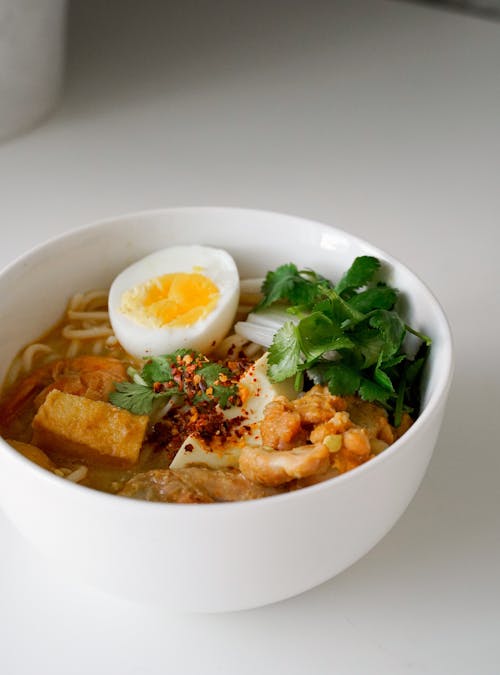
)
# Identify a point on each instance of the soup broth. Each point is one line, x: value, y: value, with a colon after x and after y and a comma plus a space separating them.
x: 191, y: 426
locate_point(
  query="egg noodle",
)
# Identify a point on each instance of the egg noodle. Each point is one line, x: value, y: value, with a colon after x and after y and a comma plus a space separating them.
x: 85, y: 329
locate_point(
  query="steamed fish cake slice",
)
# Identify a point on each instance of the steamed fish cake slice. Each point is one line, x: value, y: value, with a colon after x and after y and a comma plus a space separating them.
x: 256, y: 391
x: 94, y: 431
x: 195, y: 451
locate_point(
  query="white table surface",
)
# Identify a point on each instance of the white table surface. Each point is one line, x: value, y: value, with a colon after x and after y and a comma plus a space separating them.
x: 380, y: 117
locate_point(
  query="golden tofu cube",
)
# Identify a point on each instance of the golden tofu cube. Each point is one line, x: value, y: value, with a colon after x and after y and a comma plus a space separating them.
x: 93, y: 431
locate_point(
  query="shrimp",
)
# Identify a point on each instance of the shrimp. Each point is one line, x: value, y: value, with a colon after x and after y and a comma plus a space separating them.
x: 273, y: 467
x: 89, y: 376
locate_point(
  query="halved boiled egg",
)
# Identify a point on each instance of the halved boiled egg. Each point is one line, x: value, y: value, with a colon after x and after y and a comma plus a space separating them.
x: 179, y: 297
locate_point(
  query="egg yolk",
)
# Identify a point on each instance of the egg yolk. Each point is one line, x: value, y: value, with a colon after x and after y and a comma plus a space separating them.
x: 178, y: 299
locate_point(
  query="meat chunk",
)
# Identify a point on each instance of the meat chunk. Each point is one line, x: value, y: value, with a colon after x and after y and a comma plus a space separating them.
x: 318, y: 405
x: 371, y: 417
x: 194, y: 485
x: 94, y: 431
x: 339, y: 423
x: 275, y: 467
x: 280, y: 427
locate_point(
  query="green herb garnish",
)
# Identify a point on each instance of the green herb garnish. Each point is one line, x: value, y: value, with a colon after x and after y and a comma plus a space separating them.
x: 350, y: 336
x: 184, y: 377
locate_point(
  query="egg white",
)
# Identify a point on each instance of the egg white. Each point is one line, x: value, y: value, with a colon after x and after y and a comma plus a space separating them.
x: 204, y: 334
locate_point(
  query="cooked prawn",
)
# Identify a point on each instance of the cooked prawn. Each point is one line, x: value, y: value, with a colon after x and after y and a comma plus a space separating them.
x: 89, y: 376
x: 273, y: 467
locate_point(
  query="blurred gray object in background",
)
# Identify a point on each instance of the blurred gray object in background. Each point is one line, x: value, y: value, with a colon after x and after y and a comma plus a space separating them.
x: 32, y: 36
x: 487, y: 8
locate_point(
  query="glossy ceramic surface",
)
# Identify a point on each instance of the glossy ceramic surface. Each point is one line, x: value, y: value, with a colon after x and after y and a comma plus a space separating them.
x: 213, y: 557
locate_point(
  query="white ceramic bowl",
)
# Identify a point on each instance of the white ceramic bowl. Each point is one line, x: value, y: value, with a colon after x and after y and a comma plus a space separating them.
x: 210, y: 557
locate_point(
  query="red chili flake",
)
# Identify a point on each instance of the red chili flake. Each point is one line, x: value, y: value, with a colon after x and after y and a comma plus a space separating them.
x: 189, y: 447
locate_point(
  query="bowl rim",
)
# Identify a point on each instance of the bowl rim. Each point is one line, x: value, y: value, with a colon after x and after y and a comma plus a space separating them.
x: 440, y: 391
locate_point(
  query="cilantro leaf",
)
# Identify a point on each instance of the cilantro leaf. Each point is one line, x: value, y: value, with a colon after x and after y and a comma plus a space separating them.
x: 339, y: 310
x: 287, y: 283
x: 210, y: 372
x: 372, y: 391
x: 284, y: 353
x: 342, y: 379
x: 380, y: 297
x: 383, y: 380
x: 393, y: 361
x: 136, y: 398
x: 391, y: 328
x: 369, y: 344
x: 318, y: 334
x: 211, y: 375
x: 359, y: 274
x: 157, y: 369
